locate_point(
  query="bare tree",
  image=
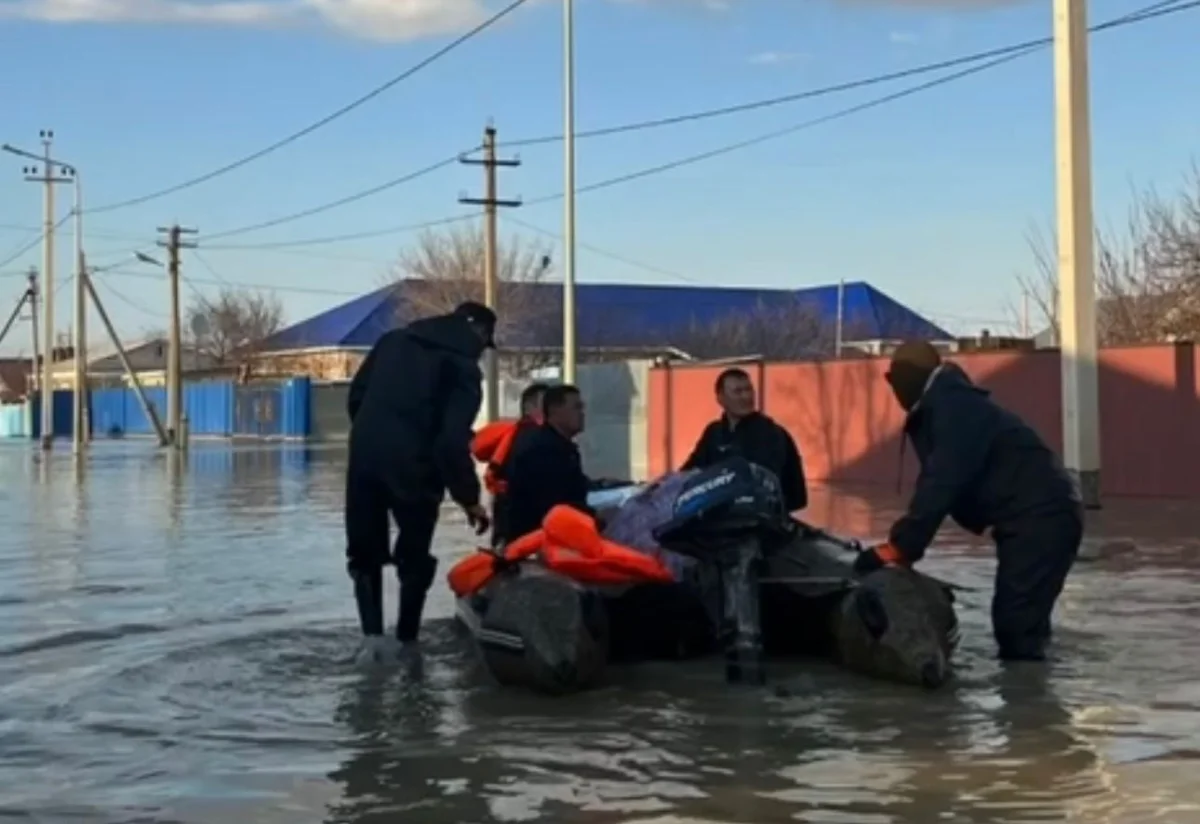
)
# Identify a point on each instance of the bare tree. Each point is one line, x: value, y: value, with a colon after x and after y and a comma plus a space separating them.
x: 445, y: 268
x: 228, y: 327
x: 1147, y: 275
x: 793, y: 330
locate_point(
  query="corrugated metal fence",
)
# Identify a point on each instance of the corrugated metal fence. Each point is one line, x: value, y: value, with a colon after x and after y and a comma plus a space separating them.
x: 214, y: 409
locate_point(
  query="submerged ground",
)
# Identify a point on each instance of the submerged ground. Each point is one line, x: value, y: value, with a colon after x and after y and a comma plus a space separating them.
x: 176, y: 639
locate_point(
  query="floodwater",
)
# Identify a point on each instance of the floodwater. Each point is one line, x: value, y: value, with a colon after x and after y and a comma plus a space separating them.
x: 176, y: 646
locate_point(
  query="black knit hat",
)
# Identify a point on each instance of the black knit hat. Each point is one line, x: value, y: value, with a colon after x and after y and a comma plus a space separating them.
x: 912, y: 364
x: 479, y: 315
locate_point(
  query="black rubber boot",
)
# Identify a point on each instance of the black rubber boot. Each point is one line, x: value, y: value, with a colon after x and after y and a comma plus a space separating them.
x: 368, y: 594
x: 415, y: 579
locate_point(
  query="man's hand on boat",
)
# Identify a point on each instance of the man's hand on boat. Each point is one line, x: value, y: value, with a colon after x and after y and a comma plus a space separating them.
x: 877, y: 557
x: 478, y: 518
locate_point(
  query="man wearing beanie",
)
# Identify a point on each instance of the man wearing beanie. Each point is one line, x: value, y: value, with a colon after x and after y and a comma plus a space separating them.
x: 987, y: 469
x: 412, y: 404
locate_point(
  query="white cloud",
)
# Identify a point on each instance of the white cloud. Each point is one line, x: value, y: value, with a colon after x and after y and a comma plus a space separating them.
x: 384, y: 20
x: 903, y: 38
x: 773, y: 58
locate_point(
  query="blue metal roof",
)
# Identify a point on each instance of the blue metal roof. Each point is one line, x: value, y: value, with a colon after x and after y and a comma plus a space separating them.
x: 612, y: 314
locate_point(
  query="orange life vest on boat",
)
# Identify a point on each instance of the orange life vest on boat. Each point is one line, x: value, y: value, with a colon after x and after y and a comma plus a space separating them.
x: 568, y: 543
x: 492, y: 446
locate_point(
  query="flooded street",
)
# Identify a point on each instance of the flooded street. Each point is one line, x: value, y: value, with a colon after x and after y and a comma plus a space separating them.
x: 177, y: 641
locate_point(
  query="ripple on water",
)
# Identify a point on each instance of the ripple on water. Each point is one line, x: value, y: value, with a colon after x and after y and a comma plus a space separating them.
x: 179, y: 645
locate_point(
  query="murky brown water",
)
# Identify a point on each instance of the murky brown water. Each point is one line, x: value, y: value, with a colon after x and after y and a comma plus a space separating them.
x: 176, y: 640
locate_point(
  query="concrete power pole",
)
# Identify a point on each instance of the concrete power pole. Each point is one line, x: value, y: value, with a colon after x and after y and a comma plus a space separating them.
x: 491, y: 282
x: 45, y: 174
x: 1076, y: 278
x: 173, y: 244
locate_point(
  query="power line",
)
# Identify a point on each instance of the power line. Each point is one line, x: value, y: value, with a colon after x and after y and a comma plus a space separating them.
x: 334, y: 204
x: 317, y: 241
x: 324, y: 121
x: 1157, y: 10
x: 264, y: 287
x: 32, y: 243
x: 657, y: 270
x: 1005, y: 55
x: 1148, y: 12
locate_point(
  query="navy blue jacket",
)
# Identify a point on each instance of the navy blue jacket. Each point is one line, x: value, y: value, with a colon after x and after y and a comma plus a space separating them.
x: 980, y: 464
x: 413, y: 403
x: 544, y: 471
x: 760, y: 440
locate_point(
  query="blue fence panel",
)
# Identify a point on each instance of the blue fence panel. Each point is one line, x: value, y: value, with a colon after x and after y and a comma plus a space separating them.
x: 258, y: 411
x: 297, y: 408
x: 14, y: 420
x: 107, y: 412
x: 209, y: 408
x: 60, y: 411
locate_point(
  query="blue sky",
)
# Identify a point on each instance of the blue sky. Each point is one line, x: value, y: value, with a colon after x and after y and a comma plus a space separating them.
x: 928, y: 198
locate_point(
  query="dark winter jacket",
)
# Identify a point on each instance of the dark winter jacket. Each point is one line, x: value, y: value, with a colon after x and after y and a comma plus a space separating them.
x: 761, y: 441
x: 545, y: 470
x: 980, y: 464
x: 412, y: 406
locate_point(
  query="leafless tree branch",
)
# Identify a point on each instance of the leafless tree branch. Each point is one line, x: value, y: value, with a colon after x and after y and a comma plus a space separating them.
x: 228, y: 327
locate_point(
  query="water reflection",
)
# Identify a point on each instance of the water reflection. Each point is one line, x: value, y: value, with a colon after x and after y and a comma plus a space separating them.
x: 179, y: 634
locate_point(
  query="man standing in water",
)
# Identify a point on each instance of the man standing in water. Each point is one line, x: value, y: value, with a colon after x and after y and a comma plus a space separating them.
x: 412, y: 405
x: 986, y: 468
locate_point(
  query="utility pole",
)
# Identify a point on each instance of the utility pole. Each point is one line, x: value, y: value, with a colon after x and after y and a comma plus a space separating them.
x: 173, y: 244
x: 1025, y: 330
x: 32, y: 294
x: 47, y: 177
x: 16, y: 313
x: 1076, y: 278
x: 490, y: 203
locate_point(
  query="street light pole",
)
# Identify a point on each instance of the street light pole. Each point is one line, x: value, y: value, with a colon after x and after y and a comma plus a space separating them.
x: 568, y: 287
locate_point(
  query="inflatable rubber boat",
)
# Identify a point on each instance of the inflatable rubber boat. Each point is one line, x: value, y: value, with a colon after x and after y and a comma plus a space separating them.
x: 724, y: 569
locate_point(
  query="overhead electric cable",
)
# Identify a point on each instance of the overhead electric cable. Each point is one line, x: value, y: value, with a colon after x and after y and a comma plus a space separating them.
x: 324, y: 121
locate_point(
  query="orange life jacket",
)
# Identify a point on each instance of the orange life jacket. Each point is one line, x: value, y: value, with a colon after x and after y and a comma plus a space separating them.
x: 492, y: 445
x: 568, y: 543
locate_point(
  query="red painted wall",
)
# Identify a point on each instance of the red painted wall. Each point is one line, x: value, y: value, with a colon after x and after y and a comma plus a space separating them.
x: 847, y: 424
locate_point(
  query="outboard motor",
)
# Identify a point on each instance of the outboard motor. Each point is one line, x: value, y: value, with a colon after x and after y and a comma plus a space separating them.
x: 723, y: 517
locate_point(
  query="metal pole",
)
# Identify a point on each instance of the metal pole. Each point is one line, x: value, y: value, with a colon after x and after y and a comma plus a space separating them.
x: 48, y: 293
x: 79, y: 396
x: 841, y: 303
x: 569, y: 340
x: 1076, y: 278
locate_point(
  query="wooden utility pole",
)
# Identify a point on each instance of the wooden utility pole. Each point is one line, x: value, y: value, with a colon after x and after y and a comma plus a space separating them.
x: 491, y: 285
x: 173, y: 244
x: 32, y: 294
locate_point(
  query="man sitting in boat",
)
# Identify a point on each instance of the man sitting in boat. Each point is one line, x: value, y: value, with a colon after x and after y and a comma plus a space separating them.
x: 743, y: 430
x: 497, y: 442
x: 547, y: 469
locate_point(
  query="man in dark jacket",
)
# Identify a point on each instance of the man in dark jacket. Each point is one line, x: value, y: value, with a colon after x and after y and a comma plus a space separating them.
x: 985, y: 468
x: 412, y: 405
x: 546, y: 470
x: 527, y: 427
x: 743, y: 430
